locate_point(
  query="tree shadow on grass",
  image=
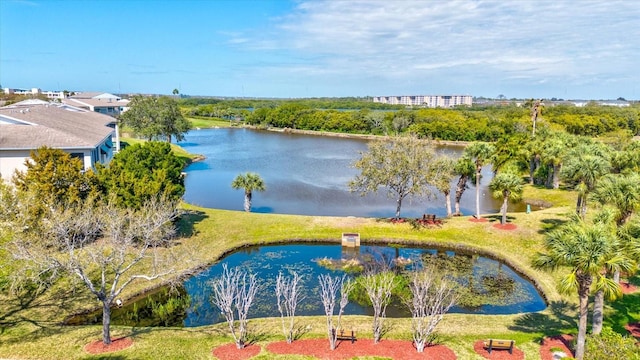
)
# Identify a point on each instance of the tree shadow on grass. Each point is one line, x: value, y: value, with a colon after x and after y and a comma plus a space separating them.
x: 186, y: 223
x: 37, y: 307
x: 551, y: 224
x: 555, y: 323
x: 625, y: 310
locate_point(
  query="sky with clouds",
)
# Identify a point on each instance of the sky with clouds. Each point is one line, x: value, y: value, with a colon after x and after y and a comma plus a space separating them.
x: 571, y: 49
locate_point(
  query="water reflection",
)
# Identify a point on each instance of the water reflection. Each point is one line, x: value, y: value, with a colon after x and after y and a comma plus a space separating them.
x: 485, y: 286
x: 304, y: 174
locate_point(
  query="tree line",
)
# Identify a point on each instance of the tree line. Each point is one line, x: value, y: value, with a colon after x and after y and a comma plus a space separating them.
x: 457, y: 124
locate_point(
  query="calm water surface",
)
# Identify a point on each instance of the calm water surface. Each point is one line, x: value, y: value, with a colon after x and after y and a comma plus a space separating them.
x: 486, y: 286
x: 304, y: 174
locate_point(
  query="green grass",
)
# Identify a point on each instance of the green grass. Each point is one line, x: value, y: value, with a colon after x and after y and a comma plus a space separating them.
x: 205, y: 122
x: 29, y: 325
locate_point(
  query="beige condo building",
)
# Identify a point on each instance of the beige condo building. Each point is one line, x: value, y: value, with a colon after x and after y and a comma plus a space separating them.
x: 432, y: 101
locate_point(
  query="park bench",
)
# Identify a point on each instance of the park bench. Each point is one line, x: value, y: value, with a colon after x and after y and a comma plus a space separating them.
x: 494, y: 344
x: 342, y: 335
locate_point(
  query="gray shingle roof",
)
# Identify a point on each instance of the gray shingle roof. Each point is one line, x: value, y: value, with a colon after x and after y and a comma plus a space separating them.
x: 52, y: 126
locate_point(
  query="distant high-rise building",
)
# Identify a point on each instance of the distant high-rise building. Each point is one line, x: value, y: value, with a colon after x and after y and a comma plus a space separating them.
x: 431, y: 101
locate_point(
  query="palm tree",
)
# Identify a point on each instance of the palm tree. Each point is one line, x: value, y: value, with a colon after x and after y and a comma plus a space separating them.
x: 584, y: 248
x: 553, y: 154
x: 508, y: 186
x: 480, y: 152
x: 443, y: 172
x: 583, y: 166
x: 620, y: 191
x: 249, y: 182
x: 464, y: 168
x: 623, y: 258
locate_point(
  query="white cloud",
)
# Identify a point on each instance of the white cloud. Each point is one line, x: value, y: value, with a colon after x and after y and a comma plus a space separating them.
x: 402, y: 40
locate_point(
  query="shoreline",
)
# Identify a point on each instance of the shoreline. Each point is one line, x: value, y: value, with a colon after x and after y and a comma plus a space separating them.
x: 349, y: 135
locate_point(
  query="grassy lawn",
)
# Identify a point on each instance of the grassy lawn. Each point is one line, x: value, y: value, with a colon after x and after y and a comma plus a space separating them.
x: 30, y: 325
x: 204, y: 122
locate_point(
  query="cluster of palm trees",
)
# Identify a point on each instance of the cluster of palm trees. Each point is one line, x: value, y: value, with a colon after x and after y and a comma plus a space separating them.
x: 597, y: 247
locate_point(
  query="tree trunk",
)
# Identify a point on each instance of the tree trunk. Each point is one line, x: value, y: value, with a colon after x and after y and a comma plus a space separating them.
x: 556, y: 176
x: 460, y: 188
x: 598, y: 312
x: 583, y: 211
x: 447, y: 197
x: 106, y: 322
x: 247, y: 201
x: 549, y: 182
x: 583, y: 293
x: 579, y: 206
x: 532, y: 169
x: 503, y: 209
x: 398, y: 205
x: 616, y: 276
x: 478, y: 192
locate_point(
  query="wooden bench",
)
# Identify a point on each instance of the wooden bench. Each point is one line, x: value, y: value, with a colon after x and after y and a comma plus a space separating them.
x: 342, y: 335
x: 495, y: 344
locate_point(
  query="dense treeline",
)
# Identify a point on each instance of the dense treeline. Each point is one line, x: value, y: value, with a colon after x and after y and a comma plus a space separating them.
x: 477, y: 123
x: 351, y: 103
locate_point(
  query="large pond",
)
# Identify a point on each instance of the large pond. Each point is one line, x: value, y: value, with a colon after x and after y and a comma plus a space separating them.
x: 304, y: 174
x: 486, y: 286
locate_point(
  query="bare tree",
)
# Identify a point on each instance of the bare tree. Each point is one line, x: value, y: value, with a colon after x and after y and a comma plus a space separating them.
x: 329, y: 287
x: 107, y: 248
x: 378, y: 287
x: 431, y: 298
x: 233, y: 292
x: 288, y: 297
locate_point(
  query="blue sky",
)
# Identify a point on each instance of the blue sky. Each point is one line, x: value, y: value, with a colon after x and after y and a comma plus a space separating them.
x: 566, y: 49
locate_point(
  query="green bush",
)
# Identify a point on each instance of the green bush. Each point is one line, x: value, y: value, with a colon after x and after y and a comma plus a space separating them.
x: 611, y: 346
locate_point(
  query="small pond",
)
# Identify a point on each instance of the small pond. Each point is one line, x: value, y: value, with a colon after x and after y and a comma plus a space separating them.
x: 486, y: 286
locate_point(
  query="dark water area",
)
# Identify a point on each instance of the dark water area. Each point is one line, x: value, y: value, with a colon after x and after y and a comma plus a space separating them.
x: 486, y: 286
x: 304, y: 174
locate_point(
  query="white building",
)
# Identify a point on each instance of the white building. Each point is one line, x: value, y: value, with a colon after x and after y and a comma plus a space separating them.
x: 31, y: 124
x: 59, y: 95
x: 103, y: 103
x: 432, y: 101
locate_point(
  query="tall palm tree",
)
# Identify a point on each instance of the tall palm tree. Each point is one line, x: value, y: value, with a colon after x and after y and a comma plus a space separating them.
x: 464, y: 168
x: 443, y: 172
x: 508, y: 186
x: 553, y: 154
x: 249, y: 182
x: 584, y: 248
x: 622, y: 192
x: 584, y: 165
x: 480, y: 152
x: 623, y: 257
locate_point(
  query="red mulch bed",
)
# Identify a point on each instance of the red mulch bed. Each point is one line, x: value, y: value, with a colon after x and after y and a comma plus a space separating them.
x: 628, y: 288
x: 395, y: 349
x: 478, y: 220
x: 231, y: 352
x: 98, y: 347
x: 478, y: 346
x: 558, y: 341
x: 505, y: 226
x: 634, y: 329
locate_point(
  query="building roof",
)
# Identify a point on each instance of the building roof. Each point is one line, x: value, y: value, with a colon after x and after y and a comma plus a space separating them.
x: 96, y: 102
x: 85, y: 95
x: 32, y: 126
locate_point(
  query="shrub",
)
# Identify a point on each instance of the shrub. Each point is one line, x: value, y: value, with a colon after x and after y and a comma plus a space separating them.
x: 611, y: 346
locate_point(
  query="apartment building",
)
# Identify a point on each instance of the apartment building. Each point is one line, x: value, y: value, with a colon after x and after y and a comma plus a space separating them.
x: 432, y: 101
